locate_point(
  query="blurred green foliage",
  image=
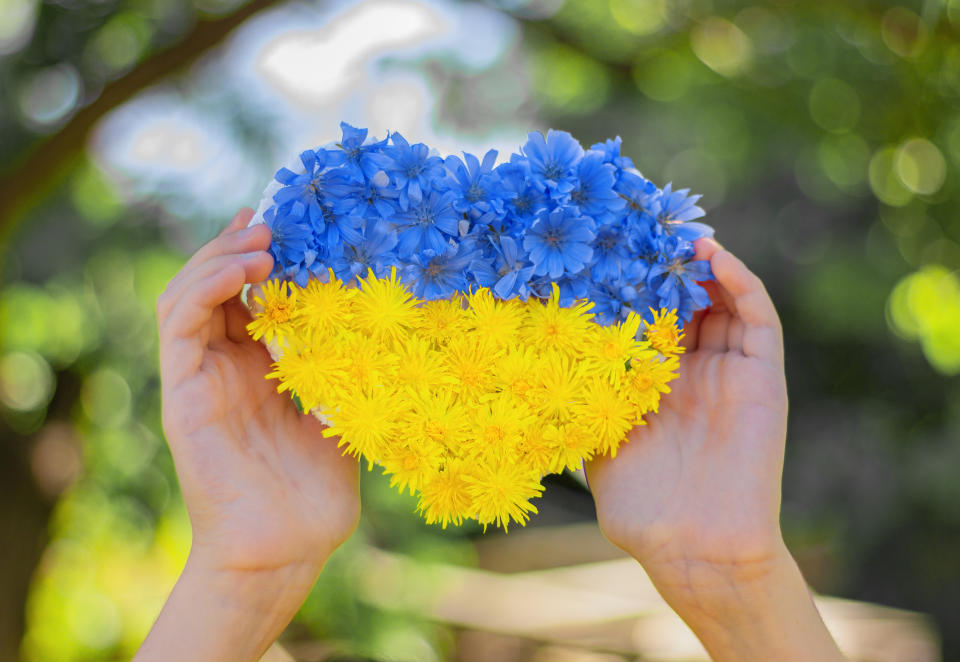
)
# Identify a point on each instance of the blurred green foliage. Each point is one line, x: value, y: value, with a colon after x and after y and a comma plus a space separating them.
x: 825, y: 137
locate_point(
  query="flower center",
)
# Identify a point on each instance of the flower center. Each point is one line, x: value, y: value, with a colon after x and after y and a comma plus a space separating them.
x: 475, y: 193
x: 553, y: 170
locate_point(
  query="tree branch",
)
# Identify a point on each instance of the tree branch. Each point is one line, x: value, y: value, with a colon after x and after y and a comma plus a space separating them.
x: 44, y: 166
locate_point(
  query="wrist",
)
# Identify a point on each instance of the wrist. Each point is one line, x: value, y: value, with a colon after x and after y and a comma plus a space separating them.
x: 226, y: 614
x: 758, y: 610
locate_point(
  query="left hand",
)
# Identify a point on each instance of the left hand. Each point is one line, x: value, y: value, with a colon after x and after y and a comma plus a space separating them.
x: 264, y: 489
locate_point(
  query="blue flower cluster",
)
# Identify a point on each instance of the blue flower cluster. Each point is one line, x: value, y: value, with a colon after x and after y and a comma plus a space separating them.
x: 554, y: 213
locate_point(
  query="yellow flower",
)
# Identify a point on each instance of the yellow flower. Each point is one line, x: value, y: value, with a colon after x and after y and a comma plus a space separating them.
x: 465, y: 402
x: 411, y: 463
x: 325, y: 307
x: 366, y: 421
x: 492, y: 319
x: 663, y: 333
x: 569, y: 443
x: 610, y: 348
x: 470, y: 362
x: 445, y: 497
x: 548, y: 326
x: 501, y: 492
x: 514, y: 371
x: 437, y: 418
x: 315, y: 375
x: 497, y: 427
x: 278, y: 312
x: 384, y: 307
x: 371, y: 362
x: 647, y: 379
x: 606, y: 414
x: 558, y: 382
x: 536, y: 451
x: 420, y: 366
x: 441, y: 319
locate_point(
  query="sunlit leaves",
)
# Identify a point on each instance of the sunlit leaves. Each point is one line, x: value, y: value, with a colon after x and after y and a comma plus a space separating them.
x: 925, y: 306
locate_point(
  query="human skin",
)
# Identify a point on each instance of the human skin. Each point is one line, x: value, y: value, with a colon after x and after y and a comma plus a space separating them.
x: 694, y: 496
x: 269, y: 499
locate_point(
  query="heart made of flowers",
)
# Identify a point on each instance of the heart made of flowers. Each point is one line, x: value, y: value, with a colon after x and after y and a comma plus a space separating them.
x: 471, y: 327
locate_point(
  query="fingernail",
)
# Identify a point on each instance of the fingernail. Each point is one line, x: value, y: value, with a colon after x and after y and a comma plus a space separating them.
x: 251, y: 256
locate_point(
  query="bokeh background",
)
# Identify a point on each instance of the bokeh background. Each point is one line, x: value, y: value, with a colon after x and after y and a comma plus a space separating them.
x: 824, y: 136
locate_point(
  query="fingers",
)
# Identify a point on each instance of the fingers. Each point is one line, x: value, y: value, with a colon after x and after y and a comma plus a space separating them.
x: 248, y: 240
x: 256, y: 237
x: 705, y: 248
x: 210, y: 285
x: 757, y: 332
x: 237, y: 316
x: 691, y: 331
x: 240, y: 220
x: 196, y: 317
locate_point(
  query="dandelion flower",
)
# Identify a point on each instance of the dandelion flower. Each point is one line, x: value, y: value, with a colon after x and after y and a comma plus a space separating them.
x: 498, y: 426
x: 550, y: 326
x: 384, y: 307
x: 558, y: 383
x: 492, y: 319
x: 325, y: 307
x: 647, y: 379
x: 570, y: 443
x: 501, y: 492
x: 610, y: 348
x: 663, y: 333
x: 420, y: 365
x: 470, y: 362
x: 441, y: 319
x: 367, y: 420
x: 514, y: 371
x: 412, y: 463
x: 278, y: 312
x: 605, y: 413
x: 445, y: 498
x: 314, y: 375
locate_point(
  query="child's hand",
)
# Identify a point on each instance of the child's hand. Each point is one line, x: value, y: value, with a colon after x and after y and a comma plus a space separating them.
x: 269, y: 498
x: 695, y: 494
x: 700, y: 483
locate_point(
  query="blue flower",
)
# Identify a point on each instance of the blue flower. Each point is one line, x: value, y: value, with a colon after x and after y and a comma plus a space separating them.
x: 637, y: 191
x: 558, y: 242
x: 674, y: 276
x: 507, y: 272
x: 571, y: 288
x: 611, y: 154
x: 611, y: 252
x: 412, y: 169
x: 553, y: 161
x: 674, y: 210
x: 340, y: 228
x: 373, y: 251
x: 435, y: 275
x: 478, y: 185
x: 424, y: 224
x: 371, y: 198
x: 360, y: 159
x: 301, y: 193
x: 522, y: 200
x: 290, y: 245
x: 593, y: 194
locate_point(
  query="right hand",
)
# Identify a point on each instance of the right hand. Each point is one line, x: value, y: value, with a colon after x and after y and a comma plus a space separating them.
x: 694, y: 495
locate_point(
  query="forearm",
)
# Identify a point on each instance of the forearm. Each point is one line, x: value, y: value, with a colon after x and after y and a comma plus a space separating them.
x: 214, y: 615
x: 757, y: 614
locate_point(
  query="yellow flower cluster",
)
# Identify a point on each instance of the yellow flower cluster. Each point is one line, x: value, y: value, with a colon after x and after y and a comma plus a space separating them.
x: 469, y: 401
